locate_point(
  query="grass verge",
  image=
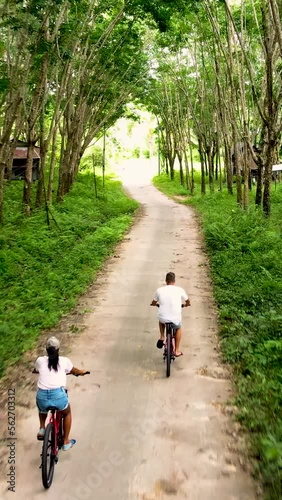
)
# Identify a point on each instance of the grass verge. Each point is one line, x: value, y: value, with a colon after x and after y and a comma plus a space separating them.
x: 245, y: 252
x: 43, y: 271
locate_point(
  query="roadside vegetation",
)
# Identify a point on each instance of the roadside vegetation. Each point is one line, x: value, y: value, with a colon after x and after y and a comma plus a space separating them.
x: 245, y: 251
x: 43, y: 269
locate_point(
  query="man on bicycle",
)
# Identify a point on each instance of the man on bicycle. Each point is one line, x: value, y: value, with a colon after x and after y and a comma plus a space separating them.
x: 169, y: 299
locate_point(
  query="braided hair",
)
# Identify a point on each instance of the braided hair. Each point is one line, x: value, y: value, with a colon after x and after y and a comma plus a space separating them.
x: 53, y: 358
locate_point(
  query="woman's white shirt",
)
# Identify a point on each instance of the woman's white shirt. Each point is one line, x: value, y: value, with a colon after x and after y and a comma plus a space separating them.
x: 51, y: 379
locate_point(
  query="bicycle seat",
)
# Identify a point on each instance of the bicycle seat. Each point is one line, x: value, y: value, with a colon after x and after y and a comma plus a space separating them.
x: 52, y: 408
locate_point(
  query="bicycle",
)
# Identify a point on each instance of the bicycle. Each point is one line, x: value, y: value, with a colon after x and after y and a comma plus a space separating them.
x: 169, y: 348
x: 52, y: 443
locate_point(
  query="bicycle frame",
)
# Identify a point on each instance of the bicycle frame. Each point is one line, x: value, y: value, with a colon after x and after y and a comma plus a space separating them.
x: 53, y: 441
x: 169, y: 349
x: 56, y: 421
x: 51, y: 444
x: 169, y: 335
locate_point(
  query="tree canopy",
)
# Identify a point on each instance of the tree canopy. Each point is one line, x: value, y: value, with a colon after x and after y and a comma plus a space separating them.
x: 209, y: 71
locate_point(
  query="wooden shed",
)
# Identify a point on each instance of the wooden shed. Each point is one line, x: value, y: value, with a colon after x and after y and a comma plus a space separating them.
x: 19, y: 161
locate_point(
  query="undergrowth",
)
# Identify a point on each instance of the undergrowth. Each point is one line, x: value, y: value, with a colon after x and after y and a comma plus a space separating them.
x: 245, y: 252
x: 43, y: 271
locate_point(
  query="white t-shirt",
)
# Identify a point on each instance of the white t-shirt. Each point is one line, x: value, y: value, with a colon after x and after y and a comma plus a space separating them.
x: 51, y: 379
x: 170, y: 299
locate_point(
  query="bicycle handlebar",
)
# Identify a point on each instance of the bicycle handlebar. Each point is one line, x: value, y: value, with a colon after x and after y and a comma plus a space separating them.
x: 82, y: 375
x: 75, y: 375
x: 158, y: 305
x: 79, y: 374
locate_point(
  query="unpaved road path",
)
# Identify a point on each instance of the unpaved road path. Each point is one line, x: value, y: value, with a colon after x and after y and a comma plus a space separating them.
x: 139, y: 435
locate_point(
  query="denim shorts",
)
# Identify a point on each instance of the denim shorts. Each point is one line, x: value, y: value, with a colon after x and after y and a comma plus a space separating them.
x: 51, y: 397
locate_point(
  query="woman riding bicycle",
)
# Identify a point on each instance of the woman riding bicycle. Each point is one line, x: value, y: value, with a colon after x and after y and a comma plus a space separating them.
x: 51, y: 384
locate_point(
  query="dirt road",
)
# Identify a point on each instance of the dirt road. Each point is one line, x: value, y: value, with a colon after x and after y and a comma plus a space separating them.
x: 140, y: 435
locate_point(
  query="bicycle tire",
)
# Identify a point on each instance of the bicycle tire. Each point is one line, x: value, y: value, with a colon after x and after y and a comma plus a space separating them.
x: 48, y: 458
x: 168, y: 352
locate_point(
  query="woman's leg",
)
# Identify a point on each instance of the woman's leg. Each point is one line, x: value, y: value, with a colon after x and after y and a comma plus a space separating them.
x: 42, y: 420
x: 67, y: 423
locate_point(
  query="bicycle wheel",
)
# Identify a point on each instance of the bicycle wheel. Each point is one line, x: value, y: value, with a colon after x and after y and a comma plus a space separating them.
x: 168, y: 353
x: 48, y: 458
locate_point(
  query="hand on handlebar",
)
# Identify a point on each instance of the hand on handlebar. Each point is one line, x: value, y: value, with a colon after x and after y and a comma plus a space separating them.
x: 187, y: 303
x: 83, y: 372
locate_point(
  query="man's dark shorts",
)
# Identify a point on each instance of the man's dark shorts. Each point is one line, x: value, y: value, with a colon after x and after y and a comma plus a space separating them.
x: 175, y: 327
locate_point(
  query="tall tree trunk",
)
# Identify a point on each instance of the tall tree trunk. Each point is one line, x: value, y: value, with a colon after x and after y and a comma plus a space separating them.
x: 28, y: 178
x: 246, y: 176
x: 219, y: 169
x: 12, y: 107
x: 181, y: 174
x: 203, y: 170
x: 37, y: 103
x: 187, y: 172
x: 259, y: 184
x: 43, y: 152
x: 210, y: 159
x: 171, y: 160
x: 52, y: 167
x: 2, y: 173
x: 271, y: 145
x: 228, y: 166
x: 61, y: 180
x: 192, y: 186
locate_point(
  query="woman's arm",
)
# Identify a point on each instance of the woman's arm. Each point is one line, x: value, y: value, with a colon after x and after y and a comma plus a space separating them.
x: 77, y: 371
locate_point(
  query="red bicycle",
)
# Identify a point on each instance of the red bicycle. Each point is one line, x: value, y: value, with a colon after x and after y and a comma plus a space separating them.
x: 52, y: 442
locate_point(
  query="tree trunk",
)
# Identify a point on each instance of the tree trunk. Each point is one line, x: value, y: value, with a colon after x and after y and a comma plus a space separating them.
x: 271, y: 146
x: 210, y: 169
x: 203, y: 169
x: 228, y: 167
x: 187, y: 173
x: 2, y: 172
x: 259, y: 184
x: 43, y: 152
x: 246, y: 176
x: 64, y: 156
x: 52, y: 167
x: 181, y: 174
x: 171, y: 160
x: 28, y: 178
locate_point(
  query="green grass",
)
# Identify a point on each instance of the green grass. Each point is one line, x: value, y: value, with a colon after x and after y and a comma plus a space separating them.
x: 43, y: 271
x: 245, y: 252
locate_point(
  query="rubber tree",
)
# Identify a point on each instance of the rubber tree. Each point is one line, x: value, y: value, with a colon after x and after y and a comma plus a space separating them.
x: 108, y: 74
x: 266, y: 89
